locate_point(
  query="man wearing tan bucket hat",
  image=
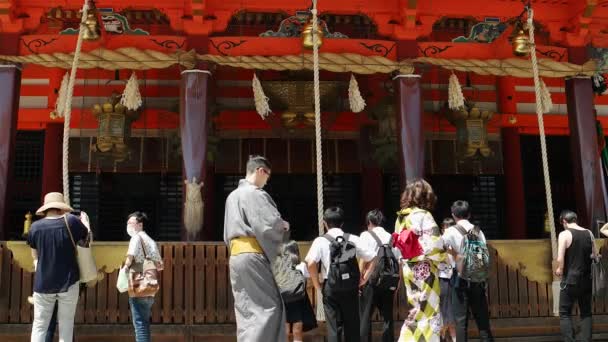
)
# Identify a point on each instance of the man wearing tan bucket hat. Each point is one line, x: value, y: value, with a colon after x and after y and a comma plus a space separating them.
x: 57, y: 276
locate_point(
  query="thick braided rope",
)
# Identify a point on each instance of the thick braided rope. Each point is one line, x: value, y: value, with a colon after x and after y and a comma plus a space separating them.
x: 136, y: 59
x: 541, y: 130
x: 68, y: 106
x: 317, y: 93
x: 122, y: 58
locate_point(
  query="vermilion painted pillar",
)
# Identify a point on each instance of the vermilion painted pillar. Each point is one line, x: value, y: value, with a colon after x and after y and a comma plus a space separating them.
x: 10, y: 84
x: 410, y: 127
x: 52, y: 164
x: 515, y: 209
x: 193, y: 127
x: 584, y: 152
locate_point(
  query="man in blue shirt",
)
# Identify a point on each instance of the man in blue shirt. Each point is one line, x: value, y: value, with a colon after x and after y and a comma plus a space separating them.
x: 53, y: 240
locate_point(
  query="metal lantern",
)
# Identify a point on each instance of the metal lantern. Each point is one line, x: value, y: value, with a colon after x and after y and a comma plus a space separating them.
x: 114, y: 128
x: 471, y: 130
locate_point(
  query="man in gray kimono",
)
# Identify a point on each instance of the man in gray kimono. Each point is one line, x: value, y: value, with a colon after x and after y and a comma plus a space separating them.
x: 254, y: 230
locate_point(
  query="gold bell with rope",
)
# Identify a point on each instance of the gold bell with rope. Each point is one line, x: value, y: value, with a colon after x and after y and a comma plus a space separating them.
x: 91, y: 27
x: 521, y: 44
x: 307, y: 36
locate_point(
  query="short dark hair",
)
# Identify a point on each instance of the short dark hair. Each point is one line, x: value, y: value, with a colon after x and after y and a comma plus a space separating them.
x: 255, y: 162
x: 375, y: 217
x: 568, y: 215
x: 334, y: 217
x: 139, y: 216
x: 448, y: 222
x: 460, y: 209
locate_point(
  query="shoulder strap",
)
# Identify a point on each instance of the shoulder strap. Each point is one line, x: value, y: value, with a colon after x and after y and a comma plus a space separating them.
x: 461, y: 229
x: 143, y: 246
x: 329, y: 238
x: 371, y: 232
x: 67, y: 225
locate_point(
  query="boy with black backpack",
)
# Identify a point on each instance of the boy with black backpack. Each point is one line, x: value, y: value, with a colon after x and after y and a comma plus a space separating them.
x: 468, y: 245
x: 338, y: 254
x: 381, y: 277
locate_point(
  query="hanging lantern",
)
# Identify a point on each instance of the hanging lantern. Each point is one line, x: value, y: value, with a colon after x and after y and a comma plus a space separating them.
x: 521, y: 44
x: 307, y: 35
x: 471, y: 130
x: 92, y: 31
x: 114, y: 128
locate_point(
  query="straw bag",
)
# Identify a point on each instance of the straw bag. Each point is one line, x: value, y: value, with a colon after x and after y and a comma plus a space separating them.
x: 84, y: 256
x: 143, y: 277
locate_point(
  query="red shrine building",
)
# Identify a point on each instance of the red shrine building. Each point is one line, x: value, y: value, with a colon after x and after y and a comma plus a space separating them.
x: 194, y: 62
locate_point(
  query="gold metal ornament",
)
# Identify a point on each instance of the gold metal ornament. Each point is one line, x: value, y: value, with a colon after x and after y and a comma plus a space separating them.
x: 114, y: 128
x: 521, y: 44
x: 471, y: 130
x: 307, y: 36
x: 27, y: 224
x: 91, y: 28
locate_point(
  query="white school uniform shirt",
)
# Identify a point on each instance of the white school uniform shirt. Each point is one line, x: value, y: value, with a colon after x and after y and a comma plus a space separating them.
x: 303, y: 269
x: 370, y: 243
x: 452, y: 237
x: 319, y: 250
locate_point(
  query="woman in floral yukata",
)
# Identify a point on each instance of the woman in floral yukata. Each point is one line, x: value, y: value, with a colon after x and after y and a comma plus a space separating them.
x: 422, y: 248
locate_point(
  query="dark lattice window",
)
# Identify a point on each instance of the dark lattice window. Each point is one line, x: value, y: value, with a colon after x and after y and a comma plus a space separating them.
x: 109, y: 197
x: 485, y: 194
x: 295, y: 196
x: 170, y: 207
x: 26, y: 185
x: 84, y: 196
x: 562, y: 180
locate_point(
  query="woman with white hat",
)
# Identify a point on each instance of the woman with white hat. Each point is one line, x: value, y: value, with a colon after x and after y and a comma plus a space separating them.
x: 57, y: 277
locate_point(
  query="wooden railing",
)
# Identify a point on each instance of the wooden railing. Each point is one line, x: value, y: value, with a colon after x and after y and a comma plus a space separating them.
x: 196, y: 290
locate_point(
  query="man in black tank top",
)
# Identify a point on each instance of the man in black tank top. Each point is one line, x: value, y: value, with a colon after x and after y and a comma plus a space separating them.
x: 574, y: 257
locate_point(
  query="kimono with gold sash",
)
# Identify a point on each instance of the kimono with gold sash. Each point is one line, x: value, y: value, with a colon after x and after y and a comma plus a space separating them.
x: 421, y: 277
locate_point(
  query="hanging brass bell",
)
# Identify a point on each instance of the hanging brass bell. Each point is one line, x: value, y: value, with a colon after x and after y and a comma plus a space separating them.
x: 521, y: 44
x: 91, y: 29
x: 307, y: 36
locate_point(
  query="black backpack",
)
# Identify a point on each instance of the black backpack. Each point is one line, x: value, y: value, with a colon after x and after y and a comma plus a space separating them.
x: 385, y: 275
x: 343, y: 274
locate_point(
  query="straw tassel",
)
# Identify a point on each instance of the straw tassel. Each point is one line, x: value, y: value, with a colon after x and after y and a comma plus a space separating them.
x: 261, y: 100
x: 131, y: 97
x: 455, y: 97
x: 61, y: 98
x: 357, y: 103
x: 193, y: 208
x: 545, y: 98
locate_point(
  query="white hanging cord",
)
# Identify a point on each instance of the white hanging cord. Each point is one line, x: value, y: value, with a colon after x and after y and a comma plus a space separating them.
x: 455, y: 96
x: 541, y: 130
x: 356, y: 101
x: 318, y: 142
x: 68, y: 104
x: 317, y: 94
